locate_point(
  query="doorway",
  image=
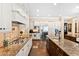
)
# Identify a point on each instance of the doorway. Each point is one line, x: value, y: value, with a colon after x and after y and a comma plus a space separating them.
x: 44, y: 31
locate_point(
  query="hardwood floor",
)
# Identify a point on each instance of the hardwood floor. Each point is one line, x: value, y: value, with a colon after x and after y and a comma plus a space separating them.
x: 39, y: 48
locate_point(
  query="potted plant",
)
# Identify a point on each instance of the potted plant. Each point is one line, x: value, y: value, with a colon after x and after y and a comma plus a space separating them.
x: 5, y: 43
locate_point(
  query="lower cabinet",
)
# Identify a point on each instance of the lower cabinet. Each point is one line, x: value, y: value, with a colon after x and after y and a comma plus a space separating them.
x: 54, y: 50
x: 26, y: 49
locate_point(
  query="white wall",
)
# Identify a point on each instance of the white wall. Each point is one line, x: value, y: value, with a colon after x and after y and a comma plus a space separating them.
x: 5, y: 17
x: 52, y: 22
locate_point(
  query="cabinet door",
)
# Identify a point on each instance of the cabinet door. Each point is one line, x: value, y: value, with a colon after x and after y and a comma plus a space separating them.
x: 47, y: 45
x: 28, y: 47
x: 52, y: 48
x: 5, y: 17
x: 25, y: 50
x: 21, y: 52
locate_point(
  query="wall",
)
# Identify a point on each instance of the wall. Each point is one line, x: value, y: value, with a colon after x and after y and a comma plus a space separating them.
x: 50, y: 21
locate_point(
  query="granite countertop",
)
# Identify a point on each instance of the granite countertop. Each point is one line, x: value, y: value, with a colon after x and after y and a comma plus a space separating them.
x: 13, y: 49
x: 70, y: 47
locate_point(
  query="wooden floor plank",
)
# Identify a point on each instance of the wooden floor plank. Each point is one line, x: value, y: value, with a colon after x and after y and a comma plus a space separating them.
x: 39, y: 48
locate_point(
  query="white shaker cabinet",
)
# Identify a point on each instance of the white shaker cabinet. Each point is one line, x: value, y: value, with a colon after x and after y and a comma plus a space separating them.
x: 26, y: 49
x: 5, y: 17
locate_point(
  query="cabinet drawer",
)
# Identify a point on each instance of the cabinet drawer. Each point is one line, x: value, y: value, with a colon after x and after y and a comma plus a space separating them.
x: 59, y: 52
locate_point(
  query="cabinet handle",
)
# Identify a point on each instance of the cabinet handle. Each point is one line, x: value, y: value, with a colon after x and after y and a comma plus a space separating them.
x: 27, y: 45
x: 57, y: 48
x: 22, y: 49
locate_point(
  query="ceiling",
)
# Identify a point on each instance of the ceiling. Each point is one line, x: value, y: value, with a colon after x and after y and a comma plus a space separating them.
x: 51, y: 9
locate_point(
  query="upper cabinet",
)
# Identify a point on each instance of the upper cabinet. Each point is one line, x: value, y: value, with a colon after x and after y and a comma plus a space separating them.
x: 5, y: 17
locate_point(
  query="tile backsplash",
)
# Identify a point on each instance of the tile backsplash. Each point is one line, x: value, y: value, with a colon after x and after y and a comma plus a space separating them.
x: 14, y: 34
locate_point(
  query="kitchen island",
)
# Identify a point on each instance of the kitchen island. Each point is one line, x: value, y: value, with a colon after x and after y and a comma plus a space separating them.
x: 57, y: 48
x: 21, y: 49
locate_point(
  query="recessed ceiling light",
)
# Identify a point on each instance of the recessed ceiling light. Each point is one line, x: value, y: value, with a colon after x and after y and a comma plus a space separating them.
x: 49, y: 15
x: 37, y: 10
x: 37, y: 14
x: 60, y: 15
x: 54, y: 3
x: 77, y: 6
